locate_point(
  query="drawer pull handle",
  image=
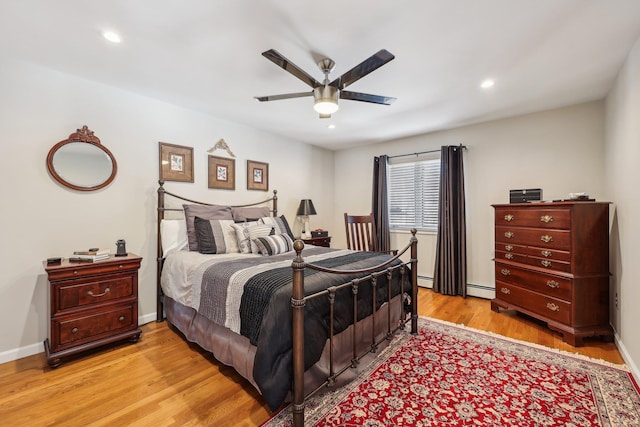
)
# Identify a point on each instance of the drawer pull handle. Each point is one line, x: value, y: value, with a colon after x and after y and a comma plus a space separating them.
x: 546, y: 238
x: 553, y: 284
x: 509, y: 247
x: 508, y: 256
x: 120, y: 266
x: 509, y: 234
x: 506, y: 291
x: 509, y: 217
x: 75, y: 272
x: 74, y: 330
x: 551, y: 306
x: 546, y: 254
x: 545, y: 263
x: 121, y: 318
x: 106, y: 291
x: 546, y: 218
x: 505, y: 272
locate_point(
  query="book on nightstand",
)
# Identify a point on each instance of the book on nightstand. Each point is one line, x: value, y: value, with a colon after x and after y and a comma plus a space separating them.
x: 93, y: 252
x: 88, y: 258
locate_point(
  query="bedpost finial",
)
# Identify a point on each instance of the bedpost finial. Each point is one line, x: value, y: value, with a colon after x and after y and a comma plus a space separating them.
x: 298, y: 246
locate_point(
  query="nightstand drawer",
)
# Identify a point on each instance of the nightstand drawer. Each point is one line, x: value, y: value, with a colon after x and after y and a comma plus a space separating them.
x: 80, y: 293
x: 73, y: 330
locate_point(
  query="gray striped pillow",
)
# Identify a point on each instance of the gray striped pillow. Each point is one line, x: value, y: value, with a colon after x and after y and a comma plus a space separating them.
x: 215, y: 236
x: 273, y: 245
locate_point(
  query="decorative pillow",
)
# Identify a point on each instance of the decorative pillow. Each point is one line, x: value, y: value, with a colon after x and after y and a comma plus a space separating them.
x: 274, y: 245
x: 279, y: 223
x: 204, y: 212
x: 242, y: 214
x: 174, y: 236
x: 215, y: 236
x: 245, y: 231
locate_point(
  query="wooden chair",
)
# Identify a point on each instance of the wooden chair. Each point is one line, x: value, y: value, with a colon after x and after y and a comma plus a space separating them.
x: 361, y: 233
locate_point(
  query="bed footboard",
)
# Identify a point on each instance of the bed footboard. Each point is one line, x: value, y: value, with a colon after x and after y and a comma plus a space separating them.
x: 298, y: 302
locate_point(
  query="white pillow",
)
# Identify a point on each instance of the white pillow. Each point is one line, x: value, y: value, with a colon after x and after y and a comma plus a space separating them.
x: 174, y: 236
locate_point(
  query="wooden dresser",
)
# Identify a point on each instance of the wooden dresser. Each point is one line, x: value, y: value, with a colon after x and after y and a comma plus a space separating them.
x: 552, y: 263
x: 91, y: 304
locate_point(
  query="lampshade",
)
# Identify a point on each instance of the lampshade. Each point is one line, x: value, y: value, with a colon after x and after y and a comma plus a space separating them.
x: 326, y: 99
x: 306, y: 208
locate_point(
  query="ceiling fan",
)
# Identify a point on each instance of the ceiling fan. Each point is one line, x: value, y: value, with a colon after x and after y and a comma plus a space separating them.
x: 326, y: 94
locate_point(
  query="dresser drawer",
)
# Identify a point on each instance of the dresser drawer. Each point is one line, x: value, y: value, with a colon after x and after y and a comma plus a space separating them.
x: 544, y: 305
x: 546, y: 239
x: 81, y: 293
x: 511, y: 256
x: 509, y: 247
x: 549, y: 264
x: 75, y: 330
x: 553, y: 286
x: 540, y: 218
x: 550, y: 254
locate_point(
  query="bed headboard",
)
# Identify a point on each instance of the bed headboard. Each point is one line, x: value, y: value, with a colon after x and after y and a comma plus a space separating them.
x: 162, y: 208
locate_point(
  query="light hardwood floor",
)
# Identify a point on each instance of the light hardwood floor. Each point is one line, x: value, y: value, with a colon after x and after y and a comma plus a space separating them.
x: 164, y: 381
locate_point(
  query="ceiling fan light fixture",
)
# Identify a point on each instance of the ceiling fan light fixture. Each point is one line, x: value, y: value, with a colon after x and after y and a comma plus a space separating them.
x: 326, y: 99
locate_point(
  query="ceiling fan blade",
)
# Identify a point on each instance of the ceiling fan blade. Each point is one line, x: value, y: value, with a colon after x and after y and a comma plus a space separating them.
x: 366, y: 97
x: 365, y: 67
x: 283, y: 96
x: 282, y: 62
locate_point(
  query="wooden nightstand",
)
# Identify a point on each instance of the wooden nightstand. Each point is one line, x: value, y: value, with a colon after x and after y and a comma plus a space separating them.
x: 318, y: 241
x: 91, y: 304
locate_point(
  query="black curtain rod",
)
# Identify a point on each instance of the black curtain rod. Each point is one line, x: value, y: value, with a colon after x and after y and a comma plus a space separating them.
x: 464, y: 147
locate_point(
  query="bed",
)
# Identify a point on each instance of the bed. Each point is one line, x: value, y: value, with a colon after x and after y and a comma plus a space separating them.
x: 290, y: 319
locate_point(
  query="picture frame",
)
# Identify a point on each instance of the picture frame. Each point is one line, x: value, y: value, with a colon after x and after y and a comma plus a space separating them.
x: 176, y: 162
x: 222, y: 173
x: 257, y: 175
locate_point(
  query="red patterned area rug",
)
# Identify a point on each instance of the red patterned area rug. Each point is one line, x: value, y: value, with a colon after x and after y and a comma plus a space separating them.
x: 450, y: 375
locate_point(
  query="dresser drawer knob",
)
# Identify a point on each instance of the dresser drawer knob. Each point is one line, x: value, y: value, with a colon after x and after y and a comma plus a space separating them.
x: 509, y: 217
x: 74, y: 330
x: 505, y: 272
x: 505, y: 291
x: 546, y: 218
x: 553, y: 284
x: 508, y: 256
x: 546, y: 238
x: 509, y: 234
x: 121, y: 318
x: 120, y: 266
x: 545, y: 263
x: 75, y: 272
x: 509, y: 247
x: 106, y: 291
x: 551, y: 306
x: 546, y: 254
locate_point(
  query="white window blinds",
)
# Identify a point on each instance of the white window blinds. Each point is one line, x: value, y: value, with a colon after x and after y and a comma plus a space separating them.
x: 413, y: 194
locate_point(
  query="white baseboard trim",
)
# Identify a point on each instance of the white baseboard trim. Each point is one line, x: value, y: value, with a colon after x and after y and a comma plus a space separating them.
x: 31, y: 349
x: 627, y: 358
x: 20, y: 352
x: 472, y: 290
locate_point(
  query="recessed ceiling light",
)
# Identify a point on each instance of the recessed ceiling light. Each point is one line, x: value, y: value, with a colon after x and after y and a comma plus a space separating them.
x: 113, y: 37
x: 487, y: 84
x: 331, y: 126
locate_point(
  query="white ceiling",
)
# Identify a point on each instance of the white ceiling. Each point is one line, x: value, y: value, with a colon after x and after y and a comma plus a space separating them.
x: 205, y: 55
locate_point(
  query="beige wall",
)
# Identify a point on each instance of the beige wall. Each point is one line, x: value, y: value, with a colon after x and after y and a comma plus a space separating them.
x: 40, y: 219
x: 560, y: 151
x: 623, y: 175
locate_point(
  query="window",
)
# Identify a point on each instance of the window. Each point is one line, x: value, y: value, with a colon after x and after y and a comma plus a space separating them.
x: 413, y: 194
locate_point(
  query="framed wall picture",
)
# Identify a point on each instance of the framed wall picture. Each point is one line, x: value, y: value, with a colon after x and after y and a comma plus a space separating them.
x: 222, y: 173
x: 257, y: 175
x: 176, y: 162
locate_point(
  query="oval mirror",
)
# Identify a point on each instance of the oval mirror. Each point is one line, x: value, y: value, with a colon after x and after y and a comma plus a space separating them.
x: 80, y: 162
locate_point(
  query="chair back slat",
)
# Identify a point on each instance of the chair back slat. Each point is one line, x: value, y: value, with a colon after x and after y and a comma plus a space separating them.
x: 361, y: 232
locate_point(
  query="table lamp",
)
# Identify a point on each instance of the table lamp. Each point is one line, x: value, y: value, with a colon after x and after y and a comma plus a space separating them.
x: 304, y: 210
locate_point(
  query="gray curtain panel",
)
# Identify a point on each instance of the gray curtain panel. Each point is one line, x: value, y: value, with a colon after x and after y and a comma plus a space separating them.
x: 450, y: 276
x: 380, y: 205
